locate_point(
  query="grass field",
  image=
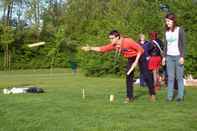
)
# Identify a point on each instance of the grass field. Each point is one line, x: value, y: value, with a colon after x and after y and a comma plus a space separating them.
x: 62, y: 108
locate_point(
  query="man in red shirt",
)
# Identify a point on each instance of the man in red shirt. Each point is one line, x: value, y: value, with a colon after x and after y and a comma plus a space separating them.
x: 129, y: 49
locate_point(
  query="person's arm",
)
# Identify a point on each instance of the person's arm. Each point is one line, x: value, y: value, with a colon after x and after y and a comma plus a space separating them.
x: 88, y: 48
x: 105, y: 48
x: 134, y: 63
x: 182, y: 41
x: 139, y: 50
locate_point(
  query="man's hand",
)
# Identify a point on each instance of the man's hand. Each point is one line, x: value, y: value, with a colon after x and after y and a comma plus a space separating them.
x: 86, y: 48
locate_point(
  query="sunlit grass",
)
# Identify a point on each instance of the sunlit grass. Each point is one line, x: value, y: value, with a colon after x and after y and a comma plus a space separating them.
x: 62, y: 107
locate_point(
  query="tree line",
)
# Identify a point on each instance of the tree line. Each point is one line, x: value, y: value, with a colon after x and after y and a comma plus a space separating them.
x: 66, y: 25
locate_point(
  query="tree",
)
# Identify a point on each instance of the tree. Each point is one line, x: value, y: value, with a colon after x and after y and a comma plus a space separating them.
x: 6, y: 39
x: 7, y: 34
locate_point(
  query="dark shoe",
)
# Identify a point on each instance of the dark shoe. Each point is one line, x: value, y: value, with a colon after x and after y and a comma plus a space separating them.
x: 179, y: 99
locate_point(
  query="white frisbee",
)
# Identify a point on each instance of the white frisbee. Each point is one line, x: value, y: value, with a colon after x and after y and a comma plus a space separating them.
x: 36, y: 44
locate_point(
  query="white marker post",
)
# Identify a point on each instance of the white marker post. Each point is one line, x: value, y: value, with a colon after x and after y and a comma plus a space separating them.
x: 111, y: 98
x: 83, y: 93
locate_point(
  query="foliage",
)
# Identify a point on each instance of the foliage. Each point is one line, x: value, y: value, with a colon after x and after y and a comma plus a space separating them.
x: 6, y: 36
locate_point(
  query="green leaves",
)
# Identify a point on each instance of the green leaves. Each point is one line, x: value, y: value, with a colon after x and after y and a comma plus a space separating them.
x: 67, y: 25
x: 7, y: 36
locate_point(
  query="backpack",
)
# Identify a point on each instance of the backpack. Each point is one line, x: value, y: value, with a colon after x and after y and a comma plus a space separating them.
x: 35, y: 90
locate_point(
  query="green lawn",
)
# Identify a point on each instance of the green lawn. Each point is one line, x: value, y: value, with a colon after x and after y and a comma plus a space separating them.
x: 62, y: 108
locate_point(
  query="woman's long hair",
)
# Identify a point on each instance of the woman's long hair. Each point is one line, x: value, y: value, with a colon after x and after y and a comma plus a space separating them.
x: 172, y: 17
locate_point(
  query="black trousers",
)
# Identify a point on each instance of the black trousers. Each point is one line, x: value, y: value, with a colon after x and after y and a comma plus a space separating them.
x: 147, y: 75
x: 129, y: 78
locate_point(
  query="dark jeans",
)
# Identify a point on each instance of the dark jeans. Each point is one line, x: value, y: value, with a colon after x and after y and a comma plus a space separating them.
x: 142, y: 82
x: 147, y: 75
x: 129, y: 78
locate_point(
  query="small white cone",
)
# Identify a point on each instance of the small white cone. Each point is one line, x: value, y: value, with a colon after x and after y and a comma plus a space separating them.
x: 111, y: 98
x: 83, y: 93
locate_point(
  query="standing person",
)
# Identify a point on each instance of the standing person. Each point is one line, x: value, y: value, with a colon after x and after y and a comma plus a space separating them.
x: 155, y: 59
x: 142, y: 42
x: 73, y: 65
x: 143, y: 65
x: 129, y: 49
x: 174, y: 42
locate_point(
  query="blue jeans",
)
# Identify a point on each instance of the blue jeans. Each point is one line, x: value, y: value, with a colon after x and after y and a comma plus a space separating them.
x: 175, y: 70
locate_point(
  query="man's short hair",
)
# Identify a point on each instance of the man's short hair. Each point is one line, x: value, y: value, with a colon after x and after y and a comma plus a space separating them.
x: 114, y: 33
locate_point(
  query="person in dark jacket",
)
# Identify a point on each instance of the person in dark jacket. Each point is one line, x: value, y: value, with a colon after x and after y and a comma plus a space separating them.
x: 155, y: 58
x: 143, y: 65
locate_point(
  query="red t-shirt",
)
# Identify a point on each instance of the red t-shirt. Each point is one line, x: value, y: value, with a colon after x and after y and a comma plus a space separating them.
x: 128, y: 48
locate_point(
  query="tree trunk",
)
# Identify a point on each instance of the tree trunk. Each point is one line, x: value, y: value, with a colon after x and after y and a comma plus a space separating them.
x: 6, y: 58
x: 7, y: 52
x: 38, y: 13
x: 8, y: 16
x: 9, y: 60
